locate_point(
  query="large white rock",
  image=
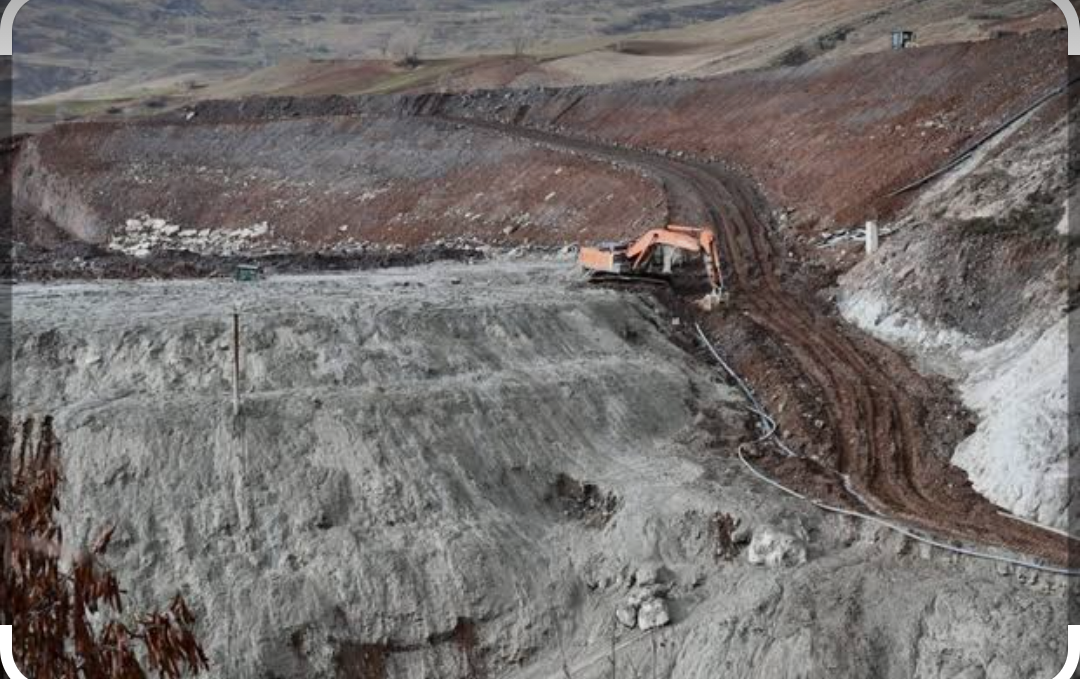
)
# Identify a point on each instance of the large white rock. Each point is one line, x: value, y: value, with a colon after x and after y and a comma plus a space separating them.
x: 627, y: 615
x: 653, y: 614
x: 1018, y: 457
x: 773, y: 547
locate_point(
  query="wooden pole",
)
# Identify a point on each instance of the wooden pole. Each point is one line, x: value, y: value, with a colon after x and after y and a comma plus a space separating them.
x: 236, y: 363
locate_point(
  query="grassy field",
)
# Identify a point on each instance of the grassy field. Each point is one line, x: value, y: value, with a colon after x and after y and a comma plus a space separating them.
x: 351, y: 53
x: 67, y: 43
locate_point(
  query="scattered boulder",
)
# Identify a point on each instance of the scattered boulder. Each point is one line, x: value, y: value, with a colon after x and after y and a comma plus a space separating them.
x: 144, y: 235
x: 648, y: 574
x: 627, y: 615
x: 640, y: 594
x: 653, y: 614
x: 773, y: 547
x: 645, y: 607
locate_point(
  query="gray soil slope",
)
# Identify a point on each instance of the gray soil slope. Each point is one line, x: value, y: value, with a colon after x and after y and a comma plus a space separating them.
x: 398, y: 496
x: 990, y: 310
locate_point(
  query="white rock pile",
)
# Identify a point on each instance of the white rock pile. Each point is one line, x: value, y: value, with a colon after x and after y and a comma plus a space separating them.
x: 145, y: 235
x: 646, y: 607
x: 775, y: 547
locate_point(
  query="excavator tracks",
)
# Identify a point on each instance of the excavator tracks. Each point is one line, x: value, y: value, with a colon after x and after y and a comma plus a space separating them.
x: 884, y: 427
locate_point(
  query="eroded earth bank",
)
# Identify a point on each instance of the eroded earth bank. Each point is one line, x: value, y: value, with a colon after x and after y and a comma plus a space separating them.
x: 485, y: 467
x: 402, y: 493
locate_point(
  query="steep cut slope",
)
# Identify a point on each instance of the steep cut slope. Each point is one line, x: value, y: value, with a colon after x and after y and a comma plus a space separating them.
x: 324, y: 181
x: 398, y: 495
x: 974, y: 283
x: 828, y: 140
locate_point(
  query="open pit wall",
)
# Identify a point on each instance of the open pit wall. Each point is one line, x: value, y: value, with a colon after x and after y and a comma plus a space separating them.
x: 828, y: 140
x: 387, y: 504
x: 826, y: 143
x: 322, y: 183
x: 915, y: 616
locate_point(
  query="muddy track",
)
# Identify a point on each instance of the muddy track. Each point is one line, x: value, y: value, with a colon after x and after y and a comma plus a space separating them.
x: 886, y: 429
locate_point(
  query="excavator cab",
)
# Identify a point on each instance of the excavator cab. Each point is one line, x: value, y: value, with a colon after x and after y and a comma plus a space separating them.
x: 657, y: 252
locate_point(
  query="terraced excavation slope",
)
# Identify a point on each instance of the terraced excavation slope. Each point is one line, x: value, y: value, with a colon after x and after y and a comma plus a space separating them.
x: 475, y: 468
x: 884, y: 420
x: 459, y: 471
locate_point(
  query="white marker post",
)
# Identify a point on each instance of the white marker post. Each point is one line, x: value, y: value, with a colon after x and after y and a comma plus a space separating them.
x: 872, y: 237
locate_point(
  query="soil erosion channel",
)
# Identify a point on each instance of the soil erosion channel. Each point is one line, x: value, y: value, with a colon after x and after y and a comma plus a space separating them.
x: 881, y: 417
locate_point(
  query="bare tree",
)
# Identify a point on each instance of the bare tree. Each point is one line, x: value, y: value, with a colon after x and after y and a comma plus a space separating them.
x: 526, y: 27
x: 191, y: 29
x: 93, y: 53
x: 66, y: 607
x: 405, y: 45
x: 383, y: 44
x: 255, y: 45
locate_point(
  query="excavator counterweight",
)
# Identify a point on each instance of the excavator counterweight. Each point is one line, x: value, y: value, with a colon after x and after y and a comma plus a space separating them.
x: 657, y: 251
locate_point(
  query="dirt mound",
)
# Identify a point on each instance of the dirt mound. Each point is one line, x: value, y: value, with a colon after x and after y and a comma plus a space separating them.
x: 323, y: 183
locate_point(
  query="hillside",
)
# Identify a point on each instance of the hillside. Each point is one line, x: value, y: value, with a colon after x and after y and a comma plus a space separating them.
x: 135, y: 77
x: 67, y: 43
x: 495, y: 463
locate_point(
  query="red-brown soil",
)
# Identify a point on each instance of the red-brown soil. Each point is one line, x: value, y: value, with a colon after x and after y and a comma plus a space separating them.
x: 830, y: 139
x: 855, y: 406
x: 330, y: 180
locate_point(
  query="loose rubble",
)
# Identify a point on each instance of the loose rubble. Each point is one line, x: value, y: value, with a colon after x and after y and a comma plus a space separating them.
x: 144, y: 235
x: 775, y: 548
x: 645, y: 606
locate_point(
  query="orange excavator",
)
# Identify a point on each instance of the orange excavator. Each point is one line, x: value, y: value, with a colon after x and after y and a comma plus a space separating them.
x: 657, y: 251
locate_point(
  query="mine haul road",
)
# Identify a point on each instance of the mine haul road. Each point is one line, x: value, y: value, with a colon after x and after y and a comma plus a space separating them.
x: 876, y: 414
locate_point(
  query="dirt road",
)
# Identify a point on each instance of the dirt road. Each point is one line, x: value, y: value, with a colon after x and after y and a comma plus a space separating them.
x: 877, y: 433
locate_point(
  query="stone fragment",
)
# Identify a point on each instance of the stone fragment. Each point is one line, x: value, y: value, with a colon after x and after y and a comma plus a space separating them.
x: 773, y: 547
x: 653, y: 614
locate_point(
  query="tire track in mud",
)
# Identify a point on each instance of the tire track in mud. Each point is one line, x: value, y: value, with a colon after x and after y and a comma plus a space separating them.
x: 881, y: 415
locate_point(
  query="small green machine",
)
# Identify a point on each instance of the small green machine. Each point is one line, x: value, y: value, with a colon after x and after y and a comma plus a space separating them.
x: 248, y: 273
